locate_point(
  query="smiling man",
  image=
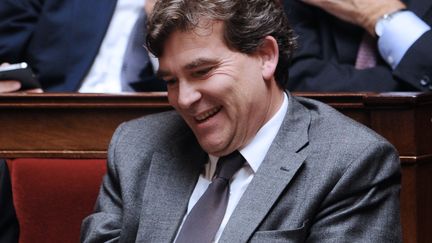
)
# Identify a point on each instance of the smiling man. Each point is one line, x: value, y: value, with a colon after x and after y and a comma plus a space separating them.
x: 240, y: 159
x: 225, y: 96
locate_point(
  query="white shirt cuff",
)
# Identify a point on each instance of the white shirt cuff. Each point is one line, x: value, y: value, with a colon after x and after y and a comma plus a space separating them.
x: 398, y: 35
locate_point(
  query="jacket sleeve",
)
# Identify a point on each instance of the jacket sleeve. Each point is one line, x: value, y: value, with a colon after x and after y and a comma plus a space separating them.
x: 363, y: 205
x: 105, y: 224
x: 17, y: 24
x: 415, y: 67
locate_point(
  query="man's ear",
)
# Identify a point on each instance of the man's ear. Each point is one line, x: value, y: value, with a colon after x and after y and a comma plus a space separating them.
x: 269, y: 53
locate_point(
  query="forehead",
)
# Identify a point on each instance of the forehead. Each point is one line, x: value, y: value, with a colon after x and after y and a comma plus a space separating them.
x: 203, y: 40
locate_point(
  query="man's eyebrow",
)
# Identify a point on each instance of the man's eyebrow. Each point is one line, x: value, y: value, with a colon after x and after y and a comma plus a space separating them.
x: 200, y: 62
x: 162, y: 73
x: 190, y: 66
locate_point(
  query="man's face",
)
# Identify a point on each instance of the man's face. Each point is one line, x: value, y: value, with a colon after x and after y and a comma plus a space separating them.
x: 220, y: 93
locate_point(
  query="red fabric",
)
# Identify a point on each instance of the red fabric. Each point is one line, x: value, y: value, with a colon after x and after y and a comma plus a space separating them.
x: 52, y: 196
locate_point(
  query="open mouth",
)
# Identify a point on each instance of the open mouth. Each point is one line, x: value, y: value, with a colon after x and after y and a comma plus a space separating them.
x: 206, y: 115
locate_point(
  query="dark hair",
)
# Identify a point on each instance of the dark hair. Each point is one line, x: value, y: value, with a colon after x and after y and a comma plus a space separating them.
x: 246, y: 24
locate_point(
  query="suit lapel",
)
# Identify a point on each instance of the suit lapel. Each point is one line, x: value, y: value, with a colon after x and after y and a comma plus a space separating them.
x: 273, y: 176
x: 172, y: 178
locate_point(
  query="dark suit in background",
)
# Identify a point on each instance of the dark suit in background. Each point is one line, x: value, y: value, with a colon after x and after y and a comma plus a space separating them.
x: 324, y: 60
x: 9, y: 228
x: 59, y: 40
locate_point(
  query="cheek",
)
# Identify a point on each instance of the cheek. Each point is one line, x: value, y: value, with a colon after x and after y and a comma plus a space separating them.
x: 172, y: 96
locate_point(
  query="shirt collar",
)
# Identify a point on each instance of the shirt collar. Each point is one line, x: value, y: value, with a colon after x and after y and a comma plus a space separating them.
x: 257, y: 149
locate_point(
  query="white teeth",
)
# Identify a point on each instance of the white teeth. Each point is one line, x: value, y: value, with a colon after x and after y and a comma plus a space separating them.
x: 207, y: 114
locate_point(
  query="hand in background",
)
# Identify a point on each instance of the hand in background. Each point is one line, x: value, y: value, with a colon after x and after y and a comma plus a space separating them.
x: 7, y: 86
x: 364, y: 13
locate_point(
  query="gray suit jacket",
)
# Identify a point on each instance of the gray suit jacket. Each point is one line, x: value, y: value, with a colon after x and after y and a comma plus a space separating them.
x: 324, y: 179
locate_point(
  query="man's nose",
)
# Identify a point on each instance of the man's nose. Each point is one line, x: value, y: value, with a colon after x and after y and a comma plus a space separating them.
x: 188, y: 94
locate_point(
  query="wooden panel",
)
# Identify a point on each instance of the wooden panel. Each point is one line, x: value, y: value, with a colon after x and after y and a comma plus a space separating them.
x: 423, y: 189
x: 68, y: 125
x: 408, y: 204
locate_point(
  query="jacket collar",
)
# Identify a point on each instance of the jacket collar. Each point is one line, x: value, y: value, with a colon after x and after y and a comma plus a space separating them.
x: 172, y: 178
x: 284, y: 158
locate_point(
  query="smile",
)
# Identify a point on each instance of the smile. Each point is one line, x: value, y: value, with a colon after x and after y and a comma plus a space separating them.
x: 208, y: 114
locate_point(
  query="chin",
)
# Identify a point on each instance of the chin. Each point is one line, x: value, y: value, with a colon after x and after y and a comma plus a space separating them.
x: 214, y: 142
x: 212, y: 148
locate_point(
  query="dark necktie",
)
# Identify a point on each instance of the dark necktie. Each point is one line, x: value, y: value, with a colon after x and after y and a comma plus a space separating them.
x: 367, y: 53
x: 136, y: 58
x: 204, y: 219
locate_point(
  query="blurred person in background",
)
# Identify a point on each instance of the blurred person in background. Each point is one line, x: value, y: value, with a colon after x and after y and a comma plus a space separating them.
x: 84, y: 46
x: 361, y: 45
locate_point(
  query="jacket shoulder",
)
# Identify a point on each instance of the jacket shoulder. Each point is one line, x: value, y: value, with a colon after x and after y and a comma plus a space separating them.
x: 331, y: 126
x: 151, y: 132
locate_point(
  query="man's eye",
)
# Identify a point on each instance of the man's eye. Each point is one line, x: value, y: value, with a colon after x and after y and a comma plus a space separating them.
x: 170, y: 81
x: 202, y: 72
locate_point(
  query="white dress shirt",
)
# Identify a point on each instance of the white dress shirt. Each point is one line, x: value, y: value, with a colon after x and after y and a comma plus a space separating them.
x: 104, y: 75
x: 254, y: 154
x: 399, y: 34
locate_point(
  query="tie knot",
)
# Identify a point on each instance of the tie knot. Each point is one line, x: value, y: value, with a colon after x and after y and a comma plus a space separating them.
x: 228, y: 165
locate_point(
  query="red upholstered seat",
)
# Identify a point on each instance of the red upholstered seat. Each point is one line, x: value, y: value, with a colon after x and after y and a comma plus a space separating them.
x: 52, y: 196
